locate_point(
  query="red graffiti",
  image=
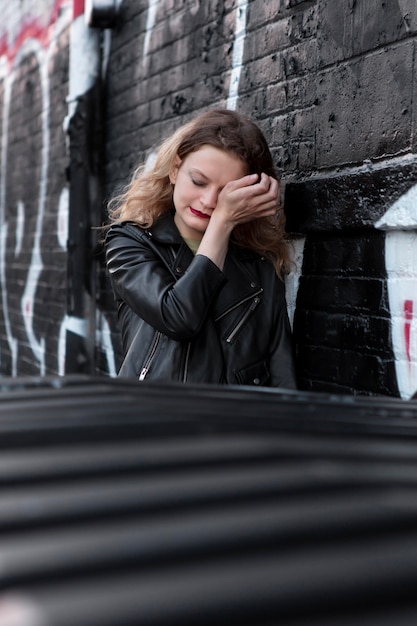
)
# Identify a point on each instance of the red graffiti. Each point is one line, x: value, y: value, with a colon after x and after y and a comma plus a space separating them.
x: 77, y: 8
x: 408, y: 316
x: 31, y: 28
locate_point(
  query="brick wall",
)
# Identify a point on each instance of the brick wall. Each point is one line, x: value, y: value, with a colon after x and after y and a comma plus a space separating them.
x: 351, y: 320
x: 331, y: 83
x: 33, y: 208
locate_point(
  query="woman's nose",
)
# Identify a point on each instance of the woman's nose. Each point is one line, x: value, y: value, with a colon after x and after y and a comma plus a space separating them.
x: 209, y: 198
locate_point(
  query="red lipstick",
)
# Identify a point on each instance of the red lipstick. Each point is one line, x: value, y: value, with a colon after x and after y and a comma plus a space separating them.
x: 199, y: 214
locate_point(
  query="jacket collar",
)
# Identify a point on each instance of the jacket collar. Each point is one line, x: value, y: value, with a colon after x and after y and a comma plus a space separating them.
x: 164, y: 230
x: 243, y: 285
x: 165, y: 233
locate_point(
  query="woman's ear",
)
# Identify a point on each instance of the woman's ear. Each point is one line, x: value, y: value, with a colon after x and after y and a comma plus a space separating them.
x: 173, y: 172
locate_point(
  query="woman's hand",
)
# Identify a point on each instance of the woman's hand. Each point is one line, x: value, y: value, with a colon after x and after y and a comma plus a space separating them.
x: 247, y: 199
x: 240, y: 201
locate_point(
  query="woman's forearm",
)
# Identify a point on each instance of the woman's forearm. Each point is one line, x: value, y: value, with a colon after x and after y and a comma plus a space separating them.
x: 215, y: 242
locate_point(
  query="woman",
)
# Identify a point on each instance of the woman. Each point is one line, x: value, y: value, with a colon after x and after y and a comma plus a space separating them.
x: 196, y: 254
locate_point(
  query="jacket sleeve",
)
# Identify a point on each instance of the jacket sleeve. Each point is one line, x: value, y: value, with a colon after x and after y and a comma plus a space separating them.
x: 282, y: 348
x: 145, y: 283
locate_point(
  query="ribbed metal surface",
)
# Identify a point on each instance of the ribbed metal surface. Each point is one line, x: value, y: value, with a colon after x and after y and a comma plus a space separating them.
x: 126, y: 504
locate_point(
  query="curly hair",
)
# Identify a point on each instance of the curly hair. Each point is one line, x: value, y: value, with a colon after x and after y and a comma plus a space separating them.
x: 148, y: 195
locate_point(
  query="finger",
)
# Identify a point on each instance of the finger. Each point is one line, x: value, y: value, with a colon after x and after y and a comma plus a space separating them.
x: 269, y: 208
x: 270, y: 198
x: 272, y: 185
x: 271, y: 212
x: 240, y: 183
x: 265, y: 182
x: 266, y: 185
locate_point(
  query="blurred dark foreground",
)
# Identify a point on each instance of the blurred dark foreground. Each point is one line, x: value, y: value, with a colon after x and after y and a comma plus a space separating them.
x: 148, y: 504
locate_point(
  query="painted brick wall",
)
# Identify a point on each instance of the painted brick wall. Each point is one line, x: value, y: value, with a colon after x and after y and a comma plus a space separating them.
x: 33, y: 195
x: 331, y: 83
x: 355, y: 315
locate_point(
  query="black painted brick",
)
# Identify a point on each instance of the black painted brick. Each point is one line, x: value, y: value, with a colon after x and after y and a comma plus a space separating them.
x: 348, y: 255
x: 362, y: 333
x: 352, y: 200
x: 346, y: 370
x: 343, y: 294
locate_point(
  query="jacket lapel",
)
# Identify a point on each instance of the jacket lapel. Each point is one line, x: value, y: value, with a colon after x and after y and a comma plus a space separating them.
x: 241, y: 284
x: 172, y: 248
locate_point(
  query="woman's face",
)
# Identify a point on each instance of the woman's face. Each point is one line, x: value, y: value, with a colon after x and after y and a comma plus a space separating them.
x: 198, y: 180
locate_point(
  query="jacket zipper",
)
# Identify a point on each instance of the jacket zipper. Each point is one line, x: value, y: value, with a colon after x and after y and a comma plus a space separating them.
x: 243, y: 319
x: 232, y: 308
x: 187, y: 356
x: 148, y: 362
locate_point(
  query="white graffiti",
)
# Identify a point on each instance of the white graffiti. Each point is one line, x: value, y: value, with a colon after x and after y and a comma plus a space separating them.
x: 74, y: 325
x: 238, y: 43
x: 238, y: 49
x: 20, y: 227
x: 104, y: 340
x: 12, y: 341
x: 84, y: 61
x: 36, y: 265
x: 150, y: 23
x: 402, y: 215
x: 62, y: 218
x: 292, y: 279
x: 400, y: 222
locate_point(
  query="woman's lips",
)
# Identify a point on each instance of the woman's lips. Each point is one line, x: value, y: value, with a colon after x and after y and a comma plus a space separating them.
x: 199, y: 214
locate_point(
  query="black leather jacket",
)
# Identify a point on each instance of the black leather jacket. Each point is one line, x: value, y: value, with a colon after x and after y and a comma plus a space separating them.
x: 183, y: 319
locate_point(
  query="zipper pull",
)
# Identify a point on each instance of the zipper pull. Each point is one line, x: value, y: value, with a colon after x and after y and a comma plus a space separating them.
x: 243, y: 319
x: 143, y: 373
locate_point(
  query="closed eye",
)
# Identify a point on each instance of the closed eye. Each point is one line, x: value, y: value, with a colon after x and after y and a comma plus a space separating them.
x: 198, y: 183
